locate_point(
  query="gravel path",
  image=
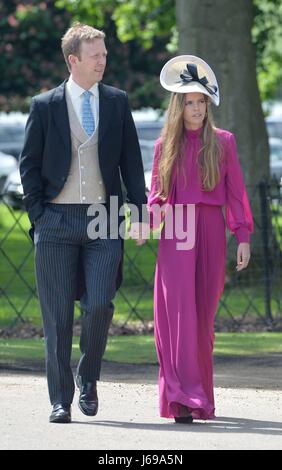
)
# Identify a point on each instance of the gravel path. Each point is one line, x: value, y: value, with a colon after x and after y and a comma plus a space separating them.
x: 248, y: 404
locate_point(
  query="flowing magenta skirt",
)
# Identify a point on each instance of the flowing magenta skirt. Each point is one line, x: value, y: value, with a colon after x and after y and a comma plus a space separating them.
x: 188, y: 285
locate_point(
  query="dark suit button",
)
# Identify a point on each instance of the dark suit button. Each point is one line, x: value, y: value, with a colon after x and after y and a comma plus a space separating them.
x: 63, y: 178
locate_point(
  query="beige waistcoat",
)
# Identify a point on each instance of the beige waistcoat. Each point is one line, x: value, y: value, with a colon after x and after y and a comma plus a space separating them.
x: 84, y: 184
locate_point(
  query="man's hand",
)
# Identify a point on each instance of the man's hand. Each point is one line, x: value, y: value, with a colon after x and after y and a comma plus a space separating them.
x: 139, y: 232
x: 243, y: 256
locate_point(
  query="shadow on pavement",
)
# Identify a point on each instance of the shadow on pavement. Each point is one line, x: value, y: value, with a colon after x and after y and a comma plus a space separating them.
x: 221, y: 424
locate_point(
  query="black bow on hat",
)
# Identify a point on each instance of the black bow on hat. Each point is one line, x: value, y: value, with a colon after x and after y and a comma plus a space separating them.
x: 191, y: 75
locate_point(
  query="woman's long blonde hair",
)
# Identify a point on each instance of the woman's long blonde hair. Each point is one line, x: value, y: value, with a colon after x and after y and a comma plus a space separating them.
x: 173, y: 140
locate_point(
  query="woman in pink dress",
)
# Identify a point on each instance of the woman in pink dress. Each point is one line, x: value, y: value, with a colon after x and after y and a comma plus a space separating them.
x: 196, y: 174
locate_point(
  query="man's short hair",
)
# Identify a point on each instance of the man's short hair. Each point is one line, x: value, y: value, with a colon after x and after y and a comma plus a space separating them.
x: 75, y: 35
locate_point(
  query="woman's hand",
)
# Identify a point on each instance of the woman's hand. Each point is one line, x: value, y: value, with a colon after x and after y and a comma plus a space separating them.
x: 139, y: 232
x: 243, y: 256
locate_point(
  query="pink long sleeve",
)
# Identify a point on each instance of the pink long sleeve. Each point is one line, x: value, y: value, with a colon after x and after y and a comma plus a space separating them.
x: 239, y: 218
x: 153, y: 198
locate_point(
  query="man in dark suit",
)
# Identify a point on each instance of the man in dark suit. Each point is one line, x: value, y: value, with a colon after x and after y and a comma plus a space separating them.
x: 80, y: 137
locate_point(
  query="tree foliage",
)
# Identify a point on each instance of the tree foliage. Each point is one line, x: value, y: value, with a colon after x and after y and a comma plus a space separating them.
x: 30, y: 56
x: 267, y: 38
x: 145, y: 20
x: 142, y: 21
x: 31, y: 60
x: 141, y: 35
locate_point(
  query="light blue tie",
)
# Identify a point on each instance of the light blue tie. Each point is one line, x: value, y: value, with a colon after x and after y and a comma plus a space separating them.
x: 88, y: 123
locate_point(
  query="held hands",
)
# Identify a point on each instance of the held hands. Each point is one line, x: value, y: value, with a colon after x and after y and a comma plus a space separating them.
x: 139, y: 232
x: 243, y: 256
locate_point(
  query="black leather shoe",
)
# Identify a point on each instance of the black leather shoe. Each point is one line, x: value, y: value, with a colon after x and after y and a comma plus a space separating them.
x: 183, y: 419
x: 88, y: 399
x: 61, y: 413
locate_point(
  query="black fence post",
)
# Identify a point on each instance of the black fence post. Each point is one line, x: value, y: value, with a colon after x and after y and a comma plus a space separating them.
x: 266, y: 258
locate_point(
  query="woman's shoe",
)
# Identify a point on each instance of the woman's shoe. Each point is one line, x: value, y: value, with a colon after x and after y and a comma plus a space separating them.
x: 183, y: 419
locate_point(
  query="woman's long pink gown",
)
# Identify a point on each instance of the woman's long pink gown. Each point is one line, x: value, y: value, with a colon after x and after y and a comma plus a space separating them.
x: 189, y: 283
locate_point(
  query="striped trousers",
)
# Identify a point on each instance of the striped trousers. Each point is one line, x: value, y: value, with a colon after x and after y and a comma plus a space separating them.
x: 60, y: 239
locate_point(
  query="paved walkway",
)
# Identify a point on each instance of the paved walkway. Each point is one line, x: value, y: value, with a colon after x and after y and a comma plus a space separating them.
x: 248, y: 404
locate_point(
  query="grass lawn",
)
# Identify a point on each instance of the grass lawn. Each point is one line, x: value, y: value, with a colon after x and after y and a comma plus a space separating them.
x: 277, y: 210
x: 17, y: 278
x: 17, y: 281
x: 141, y: 349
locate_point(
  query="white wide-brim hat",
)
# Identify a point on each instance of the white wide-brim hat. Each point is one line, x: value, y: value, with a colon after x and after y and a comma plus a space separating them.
x: 190, y: 74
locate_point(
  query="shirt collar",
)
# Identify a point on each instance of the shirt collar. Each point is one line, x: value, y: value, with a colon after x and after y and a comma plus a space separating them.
x: 76, y: 91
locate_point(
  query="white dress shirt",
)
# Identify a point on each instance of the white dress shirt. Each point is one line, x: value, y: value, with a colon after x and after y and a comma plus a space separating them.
x: 75, y: 92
